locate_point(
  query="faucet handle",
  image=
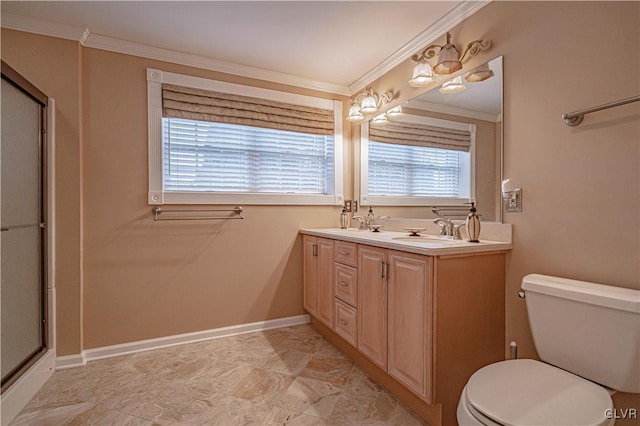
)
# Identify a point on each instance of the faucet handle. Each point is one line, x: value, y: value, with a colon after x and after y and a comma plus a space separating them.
x: 456, y: 230
x: 443, y: 223
x: 361, y: 220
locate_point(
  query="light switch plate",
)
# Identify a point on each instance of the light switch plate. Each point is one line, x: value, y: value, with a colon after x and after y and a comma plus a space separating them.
x: 514, y: 205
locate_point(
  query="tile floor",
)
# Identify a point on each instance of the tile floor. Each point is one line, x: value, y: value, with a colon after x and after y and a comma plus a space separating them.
x: 289, y: 376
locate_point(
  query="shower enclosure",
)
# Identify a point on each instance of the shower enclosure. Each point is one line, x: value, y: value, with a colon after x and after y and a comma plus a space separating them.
x: 23, y: 286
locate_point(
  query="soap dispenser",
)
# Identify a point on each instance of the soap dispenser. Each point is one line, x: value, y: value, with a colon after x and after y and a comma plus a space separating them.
x: 473, y: 224
x: 344, y: 219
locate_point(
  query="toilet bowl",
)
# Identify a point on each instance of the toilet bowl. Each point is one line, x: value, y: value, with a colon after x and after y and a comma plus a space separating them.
x: 529, y: 392
x: 588, y: 338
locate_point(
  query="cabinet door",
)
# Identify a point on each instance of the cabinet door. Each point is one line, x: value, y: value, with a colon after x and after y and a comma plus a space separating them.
x: 310, y: 268
x: 372, y: 304
x: 410, y: 304
x: 325, y: 284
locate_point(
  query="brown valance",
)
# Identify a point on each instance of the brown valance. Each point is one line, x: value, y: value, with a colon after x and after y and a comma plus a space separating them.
x: 205, y: 105
x: 421, y: 135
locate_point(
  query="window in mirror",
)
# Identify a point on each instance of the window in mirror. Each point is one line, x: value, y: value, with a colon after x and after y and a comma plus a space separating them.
x: 417, y: 161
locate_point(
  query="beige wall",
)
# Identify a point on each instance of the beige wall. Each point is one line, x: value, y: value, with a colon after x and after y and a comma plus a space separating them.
x: 53, y: 65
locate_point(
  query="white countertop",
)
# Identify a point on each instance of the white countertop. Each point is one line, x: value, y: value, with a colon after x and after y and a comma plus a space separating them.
x: 427, y: 244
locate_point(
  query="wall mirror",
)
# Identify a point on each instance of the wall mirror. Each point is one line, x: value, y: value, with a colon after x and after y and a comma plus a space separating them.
x: 444, y: 150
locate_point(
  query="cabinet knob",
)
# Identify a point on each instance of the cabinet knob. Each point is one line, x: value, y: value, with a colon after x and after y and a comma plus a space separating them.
x: 343, y: 283
x: 343, y: 322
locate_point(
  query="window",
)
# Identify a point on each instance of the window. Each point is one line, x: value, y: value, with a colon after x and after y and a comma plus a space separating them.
x: 417, y: 161
x: 218, y: 157
x: 215, y: 142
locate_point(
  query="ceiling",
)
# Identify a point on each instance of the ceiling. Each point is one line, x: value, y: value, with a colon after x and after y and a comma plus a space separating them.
x: 334, y: 42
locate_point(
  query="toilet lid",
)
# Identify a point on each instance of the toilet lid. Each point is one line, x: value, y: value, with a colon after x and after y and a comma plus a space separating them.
x: 528, y: 392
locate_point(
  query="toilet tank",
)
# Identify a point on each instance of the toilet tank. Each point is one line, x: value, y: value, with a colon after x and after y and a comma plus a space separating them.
x: 591, y: 330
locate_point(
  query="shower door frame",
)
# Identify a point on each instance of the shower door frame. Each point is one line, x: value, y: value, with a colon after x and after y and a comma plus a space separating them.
x: 22, y: 84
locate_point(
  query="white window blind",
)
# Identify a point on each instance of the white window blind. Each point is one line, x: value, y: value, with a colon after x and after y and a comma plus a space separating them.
x: 221, y: 157
x: 413, y: 171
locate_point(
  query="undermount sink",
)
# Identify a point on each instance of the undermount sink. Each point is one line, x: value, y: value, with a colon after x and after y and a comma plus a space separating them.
x: 427, y: 239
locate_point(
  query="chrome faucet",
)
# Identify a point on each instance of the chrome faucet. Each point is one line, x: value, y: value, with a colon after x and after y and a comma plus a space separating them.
x: 446, y: 226
x: 362, y: 222
x: 456, y: 230
x: 449, y: 229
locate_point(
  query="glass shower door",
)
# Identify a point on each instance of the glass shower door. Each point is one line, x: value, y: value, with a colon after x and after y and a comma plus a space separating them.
x: 22, y: 283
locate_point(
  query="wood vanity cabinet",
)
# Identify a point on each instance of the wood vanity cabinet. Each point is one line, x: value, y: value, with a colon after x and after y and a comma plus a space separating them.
x: 318, y: 254
x: 419, y: 324
x: 394, y: 324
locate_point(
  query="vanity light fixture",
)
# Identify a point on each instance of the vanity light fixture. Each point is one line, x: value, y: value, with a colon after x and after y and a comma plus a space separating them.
x: 380, y: 119
x: 395, y: 112
x: 480, y: 73
x: 452, y: 86
x: 367, y: 102
x: 387, y: 117
x: 355, y: 116
x: 422, y: 75
x: 449, y: 60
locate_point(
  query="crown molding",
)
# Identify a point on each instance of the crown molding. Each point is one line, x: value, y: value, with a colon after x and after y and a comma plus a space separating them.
x: 97, y: 41
x: 452, y: 110
x: 42, y: 27
x: 458, y: 14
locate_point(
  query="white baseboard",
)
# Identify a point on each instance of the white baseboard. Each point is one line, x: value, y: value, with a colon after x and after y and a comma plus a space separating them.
x: 20, y: 393
x: 81, y: 359
x: 70, y: 361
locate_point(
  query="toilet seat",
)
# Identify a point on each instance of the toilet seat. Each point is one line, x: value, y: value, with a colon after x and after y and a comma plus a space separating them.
x: 529, y: 392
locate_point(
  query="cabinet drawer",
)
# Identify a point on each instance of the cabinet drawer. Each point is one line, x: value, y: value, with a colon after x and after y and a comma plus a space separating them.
x: 345, y: 324
x: 346, y: 282
x: 346, y: 253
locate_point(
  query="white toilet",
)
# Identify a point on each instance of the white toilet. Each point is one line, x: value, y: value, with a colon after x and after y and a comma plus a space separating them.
x: 588, y: 336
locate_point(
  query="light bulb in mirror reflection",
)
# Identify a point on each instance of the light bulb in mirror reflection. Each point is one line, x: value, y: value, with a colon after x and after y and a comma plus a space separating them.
x: 380, y: 119
x: 453, y: 86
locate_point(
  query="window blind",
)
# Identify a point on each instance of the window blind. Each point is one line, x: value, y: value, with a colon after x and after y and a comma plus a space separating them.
x: 206, y: 105
x: 413, y: 171
x: 421, y: 135
x: 223, y: 157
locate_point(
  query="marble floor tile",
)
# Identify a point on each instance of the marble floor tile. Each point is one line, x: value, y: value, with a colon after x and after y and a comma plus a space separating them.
x: 285, y: 376
x: 262, y: 385
x: 289, y: 361
x: 309, y: 396
x: 332, y: 370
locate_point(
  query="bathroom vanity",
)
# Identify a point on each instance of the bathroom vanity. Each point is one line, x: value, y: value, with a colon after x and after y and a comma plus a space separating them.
x: 419, y: 314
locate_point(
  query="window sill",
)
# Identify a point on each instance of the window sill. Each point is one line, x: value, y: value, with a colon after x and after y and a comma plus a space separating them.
x: 371, y: 200
x: 161, y: 198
